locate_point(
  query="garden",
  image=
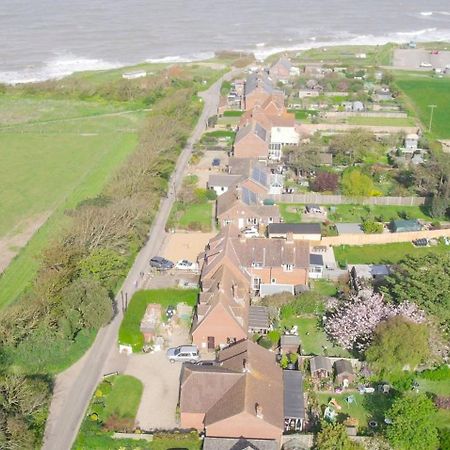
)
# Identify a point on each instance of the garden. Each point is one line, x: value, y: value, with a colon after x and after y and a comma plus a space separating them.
x: 129, y: 332
x: 113, y: 410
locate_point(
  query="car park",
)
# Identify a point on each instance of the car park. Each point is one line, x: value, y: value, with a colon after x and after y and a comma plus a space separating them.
x: 158, y: 262
x: 183, y: 353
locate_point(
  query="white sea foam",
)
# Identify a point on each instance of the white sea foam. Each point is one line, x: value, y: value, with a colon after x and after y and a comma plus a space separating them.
x: 181, y: 59
x: 58, y: 67
x: 261, y: 44
x: 426, y: 13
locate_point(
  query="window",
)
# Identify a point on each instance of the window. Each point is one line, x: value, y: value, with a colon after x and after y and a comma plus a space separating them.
x: 273, y: 280
x: 288, y: 267
x: 256, y: 283
x: 257, y: 264
x: 270, y: 219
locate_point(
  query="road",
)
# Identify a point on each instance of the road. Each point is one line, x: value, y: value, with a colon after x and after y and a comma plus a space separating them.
x: 75, y: 386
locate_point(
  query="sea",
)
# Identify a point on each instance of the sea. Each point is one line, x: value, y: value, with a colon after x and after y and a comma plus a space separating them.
x: 44, y: 39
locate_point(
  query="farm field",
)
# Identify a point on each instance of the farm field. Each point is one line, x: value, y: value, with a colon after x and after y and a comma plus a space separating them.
x: 422, y: 91
x: 53, y: 154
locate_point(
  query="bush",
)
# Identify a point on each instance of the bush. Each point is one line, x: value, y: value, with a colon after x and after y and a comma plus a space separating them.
x: 441, y: 373
x: 371, y: 227
x: 273, y: 336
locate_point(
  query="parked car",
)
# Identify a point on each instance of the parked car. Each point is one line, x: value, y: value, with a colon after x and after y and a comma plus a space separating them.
x: 184, y: 264
x: 215, y: 162
x: 158, y: 262
x: 250, y: 232
x: 183, y: 353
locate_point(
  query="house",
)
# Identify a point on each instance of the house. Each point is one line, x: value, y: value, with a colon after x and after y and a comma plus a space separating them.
x: 289, y: 343
x: 222, y: 311
x: 399, y: 226
x: 242, y: 208
x: 252, y: 141
x: 294, y: 401
x: 220, y: 183
x: 210, y: 443
x: 258, y: 320
x: 356, y: 106
x: 343, y: 372
x: 151, y: 321
x: 240, y: 398
x: 282, y: 70
x: 258, y: 88
x: 320, y: 367
x: 316, y: 266
x: 270, y: 266
x: 298, y: 231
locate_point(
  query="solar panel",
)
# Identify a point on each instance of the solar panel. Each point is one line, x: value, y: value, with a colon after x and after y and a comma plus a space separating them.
x: 248, y: 197
x: 259, y: 175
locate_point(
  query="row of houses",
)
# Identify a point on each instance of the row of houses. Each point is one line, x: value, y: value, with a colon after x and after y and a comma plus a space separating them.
x: 245, y: 395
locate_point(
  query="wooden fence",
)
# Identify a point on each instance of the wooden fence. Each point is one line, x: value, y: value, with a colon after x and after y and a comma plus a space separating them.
x: 320, y: 199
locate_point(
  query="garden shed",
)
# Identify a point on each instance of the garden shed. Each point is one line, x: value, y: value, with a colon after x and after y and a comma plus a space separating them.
x: 344, y: 371
x: 320, y: 367
x: 401, y: 226
x: 258, y: 319
x: 289, y: 343
x: 294, y: 402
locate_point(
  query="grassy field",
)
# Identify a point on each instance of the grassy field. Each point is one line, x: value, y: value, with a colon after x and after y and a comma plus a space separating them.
x: 422, y: 91
x: 313, y: 339
x: 129, y: 332
x: 49, y: 162
x: 324, y: 287
x: 382, y: 253
x: 195, y: 216
x: 233, y: 113
x: 382, y: 121
x: 357, y: 213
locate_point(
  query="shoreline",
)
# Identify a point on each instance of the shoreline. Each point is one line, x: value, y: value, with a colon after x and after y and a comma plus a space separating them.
x: 66, y: 65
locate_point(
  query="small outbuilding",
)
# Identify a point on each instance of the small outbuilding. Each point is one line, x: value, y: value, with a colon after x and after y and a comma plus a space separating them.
x: 343, y: 370
x: 298, y: 231
x: 320, y: 367
x: 294, y: 401
x: 316, y: 266
x: 289, y: 343
x: 258, y: 319
x: 401, y: 226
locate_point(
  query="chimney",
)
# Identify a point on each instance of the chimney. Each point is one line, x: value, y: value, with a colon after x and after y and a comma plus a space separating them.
x: 259, y: 411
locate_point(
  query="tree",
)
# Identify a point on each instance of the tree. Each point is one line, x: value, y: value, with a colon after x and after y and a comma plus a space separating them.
x: 397, y: 343
x: 86, y: 304
x: 335, y: 437
x: 303, y: 158
x: 425, y: 281
x: 352, y: 147
x: 356, y: 184
x: 439, y: 206
x: 352, y: 321
x: 413, y: 423
x: 325, y: 181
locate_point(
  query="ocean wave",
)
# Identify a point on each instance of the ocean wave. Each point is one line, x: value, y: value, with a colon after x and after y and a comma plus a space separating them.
x: 181, y: 59
x: 426, y: 13
x: 56, y: 68
x: 422, y: 35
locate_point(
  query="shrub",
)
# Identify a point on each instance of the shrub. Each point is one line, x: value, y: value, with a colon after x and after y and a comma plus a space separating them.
x: 273, y: 336
x: 371, y: 227
x: 441, y: 373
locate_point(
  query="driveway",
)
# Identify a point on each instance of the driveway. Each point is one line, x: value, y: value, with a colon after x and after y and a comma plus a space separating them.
x: 161, y: 380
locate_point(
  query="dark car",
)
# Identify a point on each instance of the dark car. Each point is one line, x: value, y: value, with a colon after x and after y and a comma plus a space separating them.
x: 215, y: 162
x: 158, y: 262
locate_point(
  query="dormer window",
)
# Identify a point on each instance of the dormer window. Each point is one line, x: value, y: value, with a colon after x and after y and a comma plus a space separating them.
x: 257, y: 264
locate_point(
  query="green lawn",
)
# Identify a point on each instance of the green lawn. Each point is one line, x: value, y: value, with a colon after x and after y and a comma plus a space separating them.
x: 313, y: 339
x: 120, y: 396
x: 195, y: 216
x: 129, y: 332
x: 422, y: 91
x: 291, y: 212
x: 233, y: 113
x: 382, y: 253
x: 366, y: 407
x: 357, y: 213
x: 47, y: 168
x: 302, y: 114
x: 324, y: 287
x: 220, y: 134
x: 382, y: 121
x: 435, y: 387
